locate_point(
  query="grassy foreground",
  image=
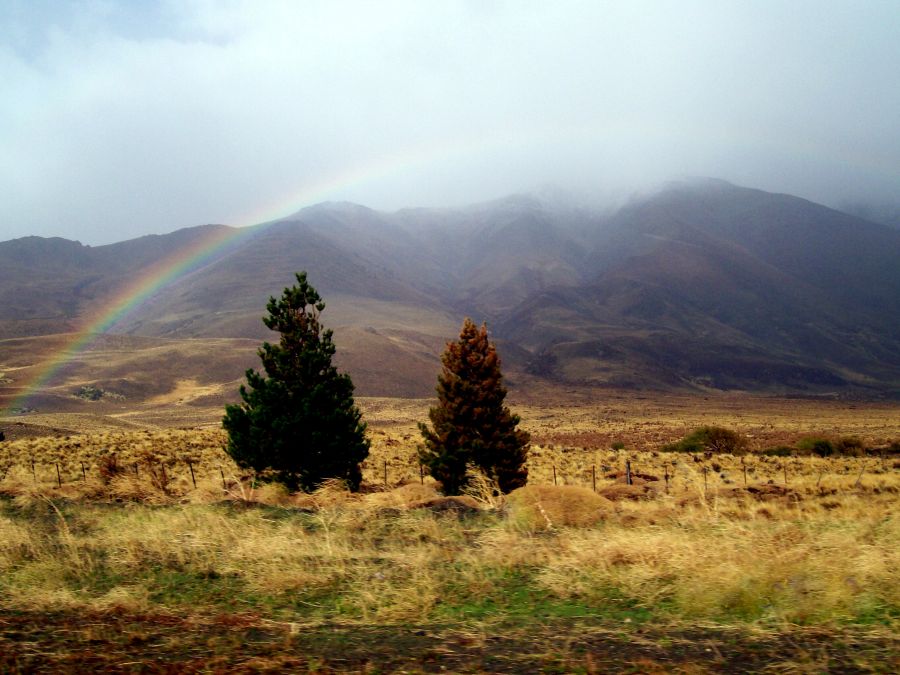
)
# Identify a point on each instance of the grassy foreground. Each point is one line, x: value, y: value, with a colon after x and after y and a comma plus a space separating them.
x: 555, y: 578
x: 168, y: 559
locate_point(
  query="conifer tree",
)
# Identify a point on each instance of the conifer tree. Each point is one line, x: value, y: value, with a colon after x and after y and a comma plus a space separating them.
x: 298, y: 424
x: 471, y: 424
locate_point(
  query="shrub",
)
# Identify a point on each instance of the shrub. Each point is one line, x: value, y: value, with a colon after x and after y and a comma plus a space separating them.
x: 710, y: 439
x: 89, y: 392
x: 851, y: 446
x: 816, y: 446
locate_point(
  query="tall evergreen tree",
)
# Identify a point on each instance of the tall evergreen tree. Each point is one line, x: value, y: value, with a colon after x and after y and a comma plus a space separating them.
x: 471, y: 424
x: 298, y: 424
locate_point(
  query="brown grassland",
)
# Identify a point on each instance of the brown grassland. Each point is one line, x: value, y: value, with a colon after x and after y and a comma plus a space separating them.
x: 130, y: 544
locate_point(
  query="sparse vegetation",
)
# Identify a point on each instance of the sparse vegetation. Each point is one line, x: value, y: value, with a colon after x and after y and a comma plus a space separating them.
x: 298, y: 424
x: 90, y: 392
x: 471, y: 423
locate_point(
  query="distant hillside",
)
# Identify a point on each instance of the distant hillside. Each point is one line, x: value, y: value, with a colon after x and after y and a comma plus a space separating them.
x: 726, y: 287
x: 47, y: 284
x: 886, y: 214
x: 700, y: 285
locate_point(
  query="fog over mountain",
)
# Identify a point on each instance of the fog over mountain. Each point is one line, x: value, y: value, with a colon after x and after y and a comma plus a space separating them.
x: 121, y: 119
x: 701, y: 285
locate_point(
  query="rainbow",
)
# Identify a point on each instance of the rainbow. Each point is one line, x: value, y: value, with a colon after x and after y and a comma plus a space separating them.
x: 204, y: 250
x: 207, y: 249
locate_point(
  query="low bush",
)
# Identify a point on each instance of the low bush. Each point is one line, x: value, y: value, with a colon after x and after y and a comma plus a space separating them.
x: 816, y: 446
x: 851, y: 446
x: 89, y: 392
x: 710, y: 439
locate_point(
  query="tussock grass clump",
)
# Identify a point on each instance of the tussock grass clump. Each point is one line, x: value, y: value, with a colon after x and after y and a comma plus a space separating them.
x: 542, y: 507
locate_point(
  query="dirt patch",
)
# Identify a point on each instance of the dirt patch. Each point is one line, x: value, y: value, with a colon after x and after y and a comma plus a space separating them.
x: 186, y: 391
x: 68, y: 642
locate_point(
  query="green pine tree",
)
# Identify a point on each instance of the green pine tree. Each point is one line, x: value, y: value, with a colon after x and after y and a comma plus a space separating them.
x: 471, y: 424
x: 298, y: 424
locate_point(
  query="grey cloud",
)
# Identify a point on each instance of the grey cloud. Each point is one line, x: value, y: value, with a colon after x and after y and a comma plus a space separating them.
x: 122, y: 119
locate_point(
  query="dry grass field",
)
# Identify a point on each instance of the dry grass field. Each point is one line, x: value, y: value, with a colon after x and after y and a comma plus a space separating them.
x: 131, y: 544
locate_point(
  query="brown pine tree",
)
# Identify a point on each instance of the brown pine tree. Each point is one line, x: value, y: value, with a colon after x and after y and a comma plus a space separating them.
x: 471, y: 424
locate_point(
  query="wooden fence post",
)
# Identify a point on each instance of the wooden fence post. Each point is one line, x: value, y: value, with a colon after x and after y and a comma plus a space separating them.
x: 385, y: 475
x: 58, y: 477
x: 554, y: 474
x: 83, y: 473
x: 666, y: 467
x: 193, y: 479
x: 628, y: 472
x: 594, y: 477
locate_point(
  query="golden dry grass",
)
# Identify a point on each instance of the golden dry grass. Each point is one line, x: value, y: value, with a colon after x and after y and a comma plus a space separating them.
x: 744, y: 540
x: 379, y: 557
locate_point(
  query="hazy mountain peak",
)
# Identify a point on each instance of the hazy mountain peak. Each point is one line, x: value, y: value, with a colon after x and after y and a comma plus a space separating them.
x: 342, y: 209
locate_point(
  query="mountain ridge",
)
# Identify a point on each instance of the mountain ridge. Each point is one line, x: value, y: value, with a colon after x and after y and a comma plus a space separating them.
x: 700, y: 285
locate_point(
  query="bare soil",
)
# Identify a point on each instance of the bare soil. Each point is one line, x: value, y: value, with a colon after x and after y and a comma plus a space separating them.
x: 59, y: 642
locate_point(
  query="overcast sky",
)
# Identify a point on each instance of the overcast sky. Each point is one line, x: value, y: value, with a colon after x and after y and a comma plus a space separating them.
x: 124, y: 118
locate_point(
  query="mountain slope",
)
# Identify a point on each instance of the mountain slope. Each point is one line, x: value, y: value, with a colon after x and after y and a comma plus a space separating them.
x: 730, y: 287
x: 702, y: 284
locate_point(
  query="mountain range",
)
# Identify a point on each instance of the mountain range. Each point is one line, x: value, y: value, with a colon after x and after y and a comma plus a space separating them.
x: 702, y: 285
